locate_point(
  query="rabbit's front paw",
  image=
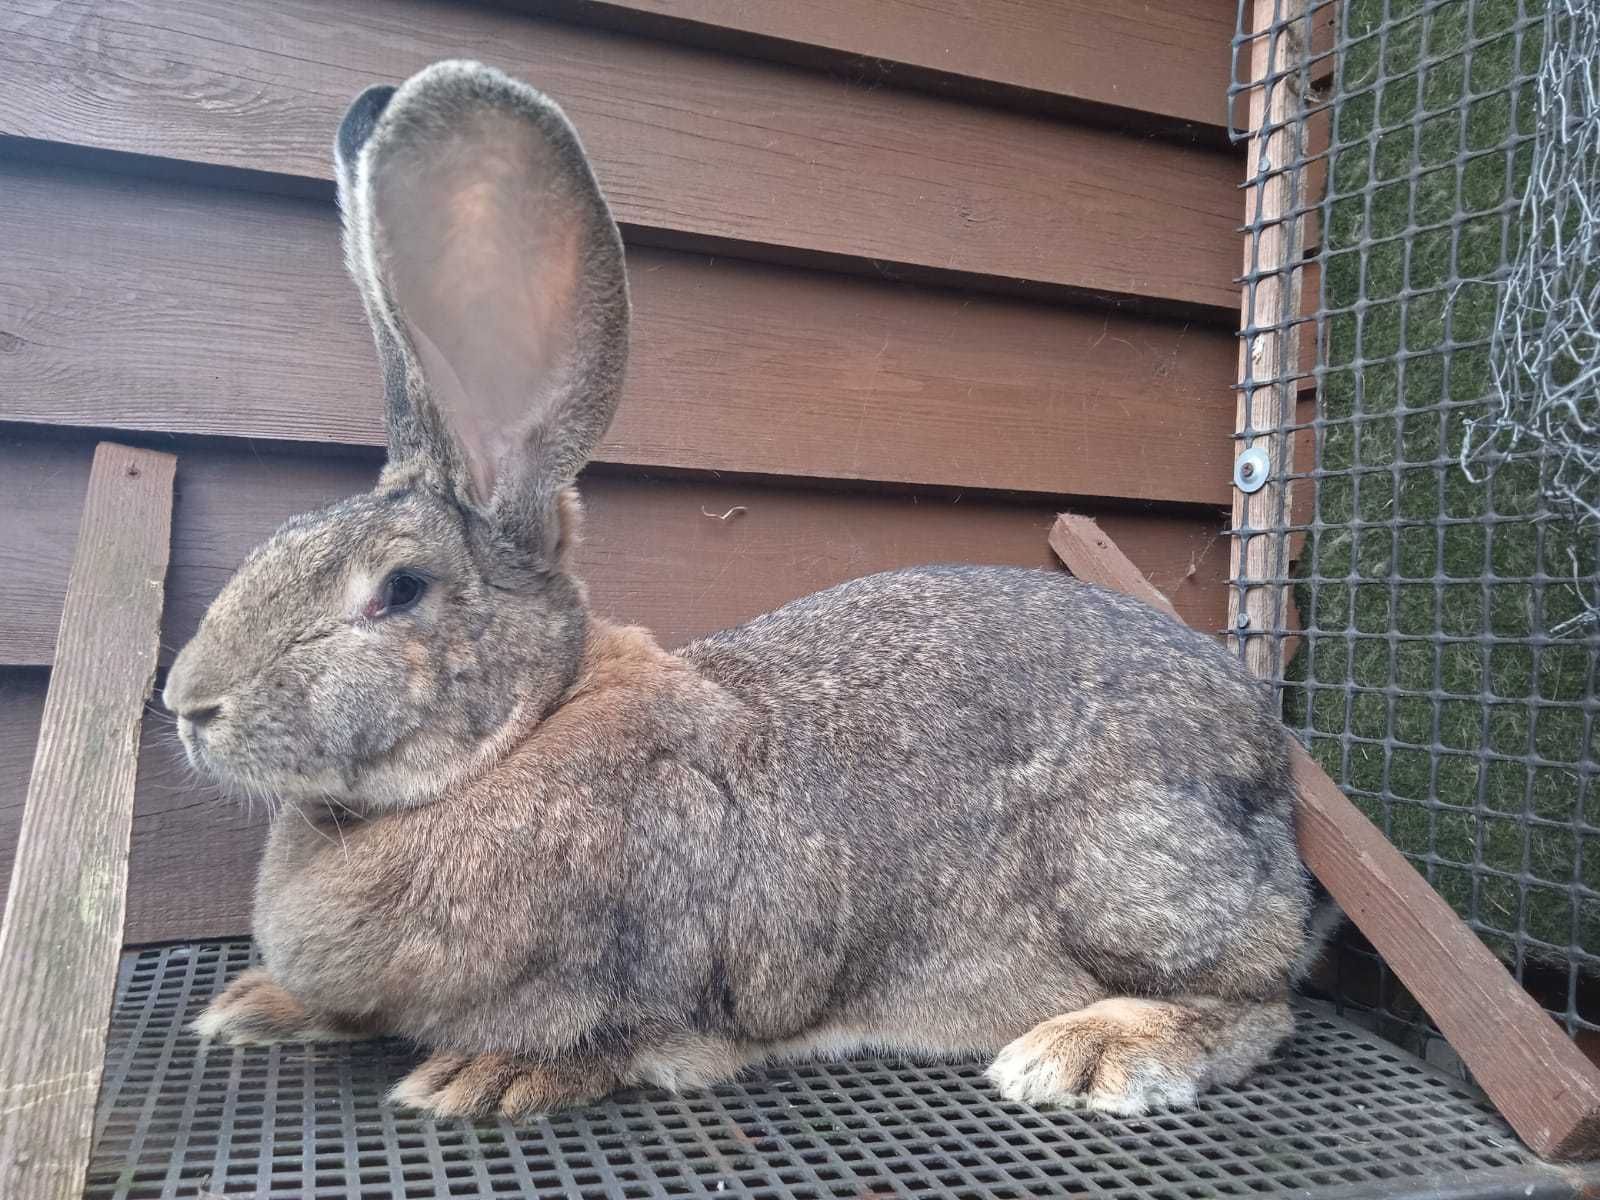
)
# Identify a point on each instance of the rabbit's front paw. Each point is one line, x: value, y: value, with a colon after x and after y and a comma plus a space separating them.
x: 254, y: 1011
x: 482, y: 1085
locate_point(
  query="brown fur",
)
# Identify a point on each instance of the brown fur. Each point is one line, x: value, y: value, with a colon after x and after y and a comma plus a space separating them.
x: 253, y: 1008
x: 454, y: 1085
x: 1126, y: 1056
x: 939, y: 811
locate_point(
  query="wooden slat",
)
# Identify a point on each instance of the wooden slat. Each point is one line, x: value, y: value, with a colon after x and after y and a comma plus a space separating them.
x: 130, y: 304
x: 1149, y: 57
x: 1089, y: 553
x: 1315, y: 152
x: 1541, y: 1083
x: 1269, y: 351
x: 1325, y: 16
x: 62, y: 930
x: 1310, y: 277
x: 650, y: 555
x: 688, y: 143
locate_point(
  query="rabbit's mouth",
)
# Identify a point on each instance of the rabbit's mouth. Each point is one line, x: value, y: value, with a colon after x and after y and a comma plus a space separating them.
x: 227, y: 755
x: 192, y: 736
x: 205, y: 761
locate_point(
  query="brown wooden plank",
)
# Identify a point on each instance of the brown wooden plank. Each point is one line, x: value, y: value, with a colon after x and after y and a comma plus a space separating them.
x: 130, y: 304
x: 1310, y: 277
x: 1315, y: 151
x: 1269, y: 351
x: 1542, y: 1084
x: 651, y: 556
x: 687, y: 142
x: 1319, y: 56
x: 62, y: 930
x: 1325, y: 17
x: 1085, y: 550
x: 1150, y: 57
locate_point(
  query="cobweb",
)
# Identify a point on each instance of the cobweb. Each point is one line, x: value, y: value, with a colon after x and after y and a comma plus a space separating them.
x: 1545, y: 349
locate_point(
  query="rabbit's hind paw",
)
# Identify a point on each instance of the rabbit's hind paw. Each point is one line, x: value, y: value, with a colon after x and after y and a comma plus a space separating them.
x: 1127, y: 1056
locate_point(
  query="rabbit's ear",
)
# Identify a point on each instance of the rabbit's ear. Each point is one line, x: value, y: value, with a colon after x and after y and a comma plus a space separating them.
x: 408, y: 438
x: 493, y: 274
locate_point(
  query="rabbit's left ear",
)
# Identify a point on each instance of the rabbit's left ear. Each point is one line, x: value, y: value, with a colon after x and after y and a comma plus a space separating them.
x: 489, y: 261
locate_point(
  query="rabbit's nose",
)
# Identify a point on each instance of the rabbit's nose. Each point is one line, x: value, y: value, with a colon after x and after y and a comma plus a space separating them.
x: 200, y: 715
x: 188, y: 696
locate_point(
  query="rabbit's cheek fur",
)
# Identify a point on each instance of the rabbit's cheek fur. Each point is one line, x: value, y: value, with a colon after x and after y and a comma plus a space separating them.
x: 319, y: 698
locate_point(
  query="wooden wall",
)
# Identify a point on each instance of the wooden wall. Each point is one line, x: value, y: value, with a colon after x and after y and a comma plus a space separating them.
x: 909, y: 278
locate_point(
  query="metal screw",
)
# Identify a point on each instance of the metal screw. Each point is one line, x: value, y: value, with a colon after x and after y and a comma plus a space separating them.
x: 1242, y: 620
x: 1250, y: 470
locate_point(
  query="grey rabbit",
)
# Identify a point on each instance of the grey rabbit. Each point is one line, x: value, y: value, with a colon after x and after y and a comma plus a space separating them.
x: 941, y: 811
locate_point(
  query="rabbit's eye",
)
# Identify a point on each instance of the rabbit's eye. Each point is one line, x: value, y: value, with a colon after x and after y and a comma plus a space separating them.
x: 400, y: 591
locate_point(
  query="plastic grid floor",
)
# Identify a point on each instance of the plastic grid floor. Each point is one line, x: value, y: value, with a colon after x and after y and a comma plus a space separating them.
x: 1341, y: 1115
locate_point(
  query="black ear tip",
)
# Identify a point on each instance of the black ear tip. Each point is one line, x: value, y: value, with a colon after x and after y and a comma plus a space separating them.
x: 360, y: 120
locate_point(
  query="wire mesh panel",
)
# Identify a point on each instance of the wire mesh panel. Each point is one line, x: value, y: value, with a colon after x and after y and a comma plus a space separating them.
x: 1340, y: 1115
x: 1434, y: 429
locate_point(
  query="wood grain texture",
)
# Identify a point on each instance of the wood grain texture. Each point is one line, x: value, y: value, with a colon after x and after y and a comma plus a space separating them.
x: 131, y: 304
x: 1541, y: 1083
x: 1149, y: 57
x: 688, y: 143
x: 650, y: 554
x: 62, y: 930
x: 1325, y: 16
x: 1269, y: 354
x: 1085, y: 550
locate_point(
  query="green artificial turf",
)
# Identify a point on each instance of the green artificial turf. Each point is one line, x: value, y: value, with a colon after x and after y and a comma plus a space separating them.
x: 1422, y: 221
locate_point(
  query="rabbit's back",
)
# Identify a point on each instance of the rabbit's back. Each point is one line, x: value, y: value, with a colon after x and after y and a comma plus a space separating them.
x: 978, y: 761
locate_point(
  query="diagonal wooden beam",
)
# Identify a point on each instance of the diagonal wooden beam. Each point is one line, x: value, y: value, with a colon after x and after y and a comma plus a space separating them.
x: 63, y: 919
x: 1540, y: 1081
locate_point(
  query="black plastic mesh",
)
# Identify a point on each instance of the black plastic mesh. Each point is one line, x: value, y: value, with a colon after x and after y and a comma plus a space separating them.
x: 1342, y: 1115
x: 1440, y: 662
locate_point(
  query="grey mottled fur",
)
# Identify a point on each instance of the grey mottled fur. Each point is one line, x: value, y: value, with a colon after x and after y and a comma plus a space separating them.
x: 950, y: 809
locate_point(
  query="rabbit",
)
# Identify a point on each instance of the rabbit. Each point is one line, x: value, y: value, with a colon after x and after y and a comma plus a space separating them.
x: 944, y: 811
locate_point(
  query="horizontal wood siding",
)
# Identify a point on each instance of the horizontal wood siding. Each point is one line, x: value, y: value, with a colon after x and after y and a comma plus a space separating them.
x: 650, y: 554
x: 1132, y: 56
x: 909, y: 277
x: 687, y: 142
x: 132, y: 304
